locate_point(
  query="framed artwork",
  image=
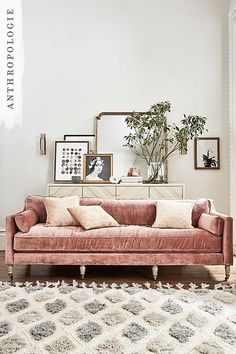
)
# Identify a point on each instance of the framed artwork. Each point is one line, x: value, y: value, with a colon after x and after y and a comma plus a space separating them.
x: 90, y: 138
x: 98, y: 168
x: 207, y: 153
x: 68, y: 161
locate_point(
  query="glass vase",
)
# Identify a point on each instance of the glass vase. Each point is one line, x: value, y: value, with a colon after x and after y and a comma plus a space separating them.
x: 155, y: 172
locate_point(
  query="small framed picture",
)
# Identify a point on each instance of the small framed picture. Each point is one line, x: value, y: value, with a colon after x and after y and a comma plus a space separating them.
x: 207, y: 153
x: 98, y: 168
x: 90, y: 138
x: 68, y: 161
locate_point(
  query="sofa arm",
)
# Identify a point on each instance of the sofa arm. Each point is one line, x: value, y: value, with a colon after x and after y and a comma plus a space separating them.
x: 227, y: 242
x: 11, y: 230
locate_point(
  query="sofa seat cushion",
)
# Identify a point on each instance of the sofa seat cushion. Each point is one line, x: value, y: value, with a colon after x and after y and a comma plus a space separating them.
x: 118, y: 239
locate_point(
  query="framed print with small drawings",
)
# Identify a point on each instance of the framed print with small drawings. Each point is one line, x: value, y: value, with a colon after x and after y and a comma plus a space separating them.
x: 207, y: 153
x: 98, y: 168
x: 68, y: 160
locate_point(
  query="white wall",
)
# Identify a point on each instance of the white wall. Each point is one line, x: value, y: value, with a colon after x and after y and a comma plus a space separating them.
x: 84, y: 57
x: 232, y: 3
x: 232, y: 78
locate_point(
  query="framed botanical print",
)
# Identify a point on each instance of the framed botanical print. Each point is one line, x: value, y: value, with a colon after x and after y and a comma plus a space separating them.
x: 207, y: 153
x: 68, y: 161
x: 98, y: 168
x: 83, y: 137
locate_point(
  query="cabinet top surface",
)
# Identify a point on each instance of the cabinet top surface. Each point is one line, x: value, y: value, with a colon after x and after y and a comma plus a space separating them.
x: 115, y: 185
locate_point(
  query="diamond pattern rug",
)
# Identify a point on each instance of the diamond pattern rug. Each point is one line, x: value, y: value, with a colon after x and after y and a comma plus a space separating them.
x: 117, y: 319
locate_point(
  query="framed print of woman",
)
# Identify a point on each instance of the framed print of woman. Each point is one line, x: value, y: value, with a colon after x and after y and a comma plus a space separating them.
x: 98, y: 168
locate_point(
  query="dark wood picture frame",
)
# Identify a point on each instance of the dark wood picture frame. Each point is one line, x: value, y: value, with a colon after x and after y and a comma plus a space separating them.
x: 105, y: 160
x: 207, y: 153
x: 68, y: 163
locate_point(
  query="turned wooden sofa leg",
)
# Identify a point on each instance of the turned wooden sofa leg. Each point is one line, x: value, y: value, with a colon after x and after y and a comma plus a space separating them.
x: 227, y: 272
x: 82, y: 271
x: 10, y: 271
x: 155, y: 272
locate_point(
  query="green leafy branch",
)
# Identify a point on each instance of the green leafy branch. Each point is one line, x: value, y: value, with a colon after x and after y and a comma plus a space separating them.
x: 153, y: 140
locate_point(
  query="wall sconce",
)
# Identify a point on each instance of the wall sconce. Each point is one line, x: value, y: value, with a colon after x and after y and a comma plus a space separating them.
x: 43, y: 144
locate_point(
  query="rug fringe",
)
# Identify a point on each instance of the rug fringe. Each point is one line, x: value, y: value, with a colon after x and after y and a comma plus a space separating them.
x: 104, y: 285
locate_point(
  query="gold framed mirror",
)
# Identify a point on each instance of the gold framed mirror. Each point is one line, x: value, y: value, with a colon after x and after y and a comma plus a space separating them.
x: 110, y: 130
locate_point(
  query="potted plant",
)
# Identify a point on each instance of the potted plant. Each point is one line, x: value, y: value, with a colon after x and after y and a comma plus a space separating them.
x: 153, y: 140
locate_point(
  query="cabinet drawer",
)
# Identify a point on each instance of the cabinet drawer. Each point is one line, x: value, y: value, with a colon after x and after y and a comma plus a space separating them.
x: 132, y: 192
x: 99, y: 192
x: 66, y: 191
x: 166, y: 192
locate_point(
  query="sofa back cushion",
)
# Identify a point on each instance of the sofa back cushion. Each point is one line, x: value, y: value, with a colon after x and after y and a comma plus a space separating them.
x: 200, y: 206
x: 131, y: 212
x: 141, y: 211
x: 124, y: 211
x: 35, y: 202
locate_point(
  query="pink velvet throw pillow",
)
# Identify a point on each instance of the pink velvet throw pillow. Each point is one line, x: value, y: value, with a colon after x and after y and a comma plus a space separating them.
x: 211, y: 223
x: 26, y: 219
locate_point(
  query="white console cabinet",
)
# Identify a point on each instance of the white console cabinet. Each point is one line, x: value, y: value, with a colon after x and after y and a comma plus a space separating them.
x: 142, y: 191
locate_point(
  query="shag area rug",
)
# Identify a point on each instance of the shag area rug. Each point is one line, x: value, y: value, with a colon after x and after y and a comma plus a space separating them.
x: 117, y: 319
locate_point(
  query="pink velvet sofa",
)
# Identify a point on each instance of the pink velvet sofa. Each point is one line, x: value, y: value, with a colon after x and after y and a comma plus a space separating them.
x: 135, y: 242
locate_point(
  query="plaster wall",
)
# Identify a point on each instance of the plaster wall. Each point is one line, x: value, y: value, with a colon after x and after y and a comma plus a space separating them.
x: 84, y: 57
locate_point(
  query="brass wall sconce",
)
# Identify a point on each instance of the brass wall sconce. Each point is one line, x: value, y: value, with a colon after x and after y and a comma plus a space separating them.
x: 43, y: 144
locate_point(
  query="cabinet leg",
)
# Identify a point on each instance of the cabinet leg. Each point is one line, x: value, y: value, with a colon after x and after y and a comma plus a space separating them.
x: 155, y: 272
x: 10, y: 271
x: 82, y: 271
x: 227, y: 272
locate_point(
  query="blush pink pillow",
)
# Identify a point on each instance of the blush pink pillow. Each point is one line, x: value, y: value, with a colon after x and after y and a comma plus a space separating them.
x: 26, y: 219
x: 211, y: 223
x: 93, y: 217
x: 36, y: 203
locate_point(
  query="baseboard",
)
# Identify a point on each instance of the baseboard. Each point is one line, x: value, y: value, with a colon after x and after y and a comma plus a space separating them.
x: 2, y: 239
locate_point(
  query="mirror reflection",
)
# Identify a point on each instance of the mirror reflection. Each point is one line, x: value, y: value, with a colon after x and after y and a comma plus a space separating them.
x: 111, y: 129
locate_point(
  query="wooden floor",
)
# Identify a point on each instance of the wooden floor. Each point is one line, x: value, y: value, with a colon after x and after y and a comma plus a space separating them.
x: 119, y: 274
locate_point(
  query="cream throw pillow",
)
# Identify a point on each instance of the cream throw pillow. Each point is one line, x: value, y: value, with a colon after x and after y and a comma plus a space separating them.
x: 57, y: 210
x: 175, y: 215
x: 92, y: 217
